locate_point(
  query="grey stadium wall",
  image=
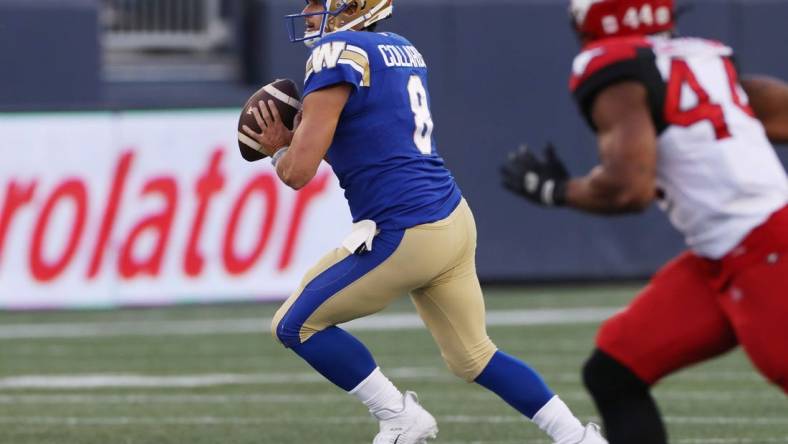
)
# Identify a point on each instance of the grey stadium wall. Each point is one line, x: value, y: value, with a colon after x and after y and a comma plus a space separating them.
x: 49, y: 54
x: 498, y: 78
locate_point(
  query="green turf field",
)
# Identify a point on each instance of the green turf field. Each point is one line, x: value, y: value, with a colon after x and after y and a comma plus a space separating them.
x: 213, y: 375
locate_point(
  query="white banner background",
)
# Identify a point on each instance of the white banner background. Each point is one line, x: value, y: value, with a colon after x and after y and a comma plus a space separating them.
x: 50, y: 155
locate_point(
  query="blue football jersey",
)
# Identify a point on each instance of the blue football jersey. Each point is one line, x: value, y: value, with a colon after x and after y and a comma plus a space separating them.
x: 383, y: 151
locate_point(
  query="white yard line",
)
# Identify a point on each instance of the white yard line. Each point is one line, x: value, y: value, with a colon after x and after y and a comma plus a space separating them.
x: 116, y: 380
x: 338, y: 420
x: 392, y: 321
x: 99, y: 399
x: 431, y: 374
x: 263, y: 398
x: 131, y: 380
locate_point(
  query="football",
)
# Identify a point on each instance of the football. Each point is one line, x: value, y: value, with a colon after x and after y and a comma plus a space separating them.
x: 287, y: 99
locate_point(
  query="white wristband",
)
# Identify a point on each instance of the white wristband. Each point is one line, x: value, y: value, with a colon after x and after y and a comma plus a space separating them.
x: 278, y: 155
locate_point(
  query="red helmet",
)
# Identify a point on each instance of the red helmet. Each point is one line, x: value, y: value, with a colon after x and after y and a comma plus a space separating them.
x: 597, y: 19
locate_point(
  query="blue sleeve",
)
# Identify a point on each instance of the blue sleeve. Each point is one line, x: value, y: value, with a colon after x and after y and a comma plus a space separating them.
x: 334, y: 62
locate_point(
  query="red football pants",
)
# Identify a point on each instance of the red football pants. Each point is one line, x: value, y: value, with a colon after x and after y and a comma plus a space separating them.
x: 695, y: 309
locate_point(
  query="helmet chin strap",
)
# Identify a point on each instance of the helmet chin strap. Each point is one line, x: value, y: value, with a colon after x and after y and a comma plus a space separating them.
x: 310, y: 39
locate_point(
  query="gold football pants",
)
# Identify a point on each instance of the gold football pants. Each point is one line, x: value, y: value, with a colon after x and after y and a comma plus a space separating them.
x: 434, y: 263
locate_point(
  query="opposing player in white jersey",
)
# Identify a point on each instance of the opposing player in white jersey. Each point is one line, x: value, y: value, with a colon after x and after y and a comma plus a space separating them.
x: 674, y: 124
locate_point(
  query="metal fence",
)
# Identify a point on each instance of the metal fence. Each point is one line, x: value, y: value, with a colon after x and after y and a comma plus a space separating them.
x: 195, y: 25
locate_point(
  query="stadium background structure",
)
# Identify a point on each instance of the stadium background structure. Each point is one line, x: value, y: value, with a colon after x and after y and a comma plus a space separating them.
x: 498, y: 73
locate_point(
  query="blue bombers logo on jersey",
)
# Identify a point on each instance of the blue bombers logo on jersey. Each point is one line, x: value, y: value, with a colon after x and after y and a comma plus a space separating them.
x: 330, y: 54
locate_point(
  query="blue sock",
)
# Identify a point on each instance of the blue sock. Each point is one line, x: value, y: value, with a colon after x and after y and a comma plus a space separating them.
x: 516, y: 383
x: 338, y: 356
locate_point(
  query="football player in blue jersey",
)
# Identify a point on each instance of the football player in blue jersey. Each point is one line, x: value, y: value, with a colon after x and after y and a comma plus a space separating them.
x: 366, y: 110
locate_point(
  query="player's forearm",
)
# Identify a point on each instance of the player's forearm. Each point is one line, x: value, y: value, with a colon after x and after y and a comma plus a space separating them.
x: 603, y: 193
x: 294, y: 174
x: 769, y: 99
x: 313, y: 136
x: 297, y: 167
x: 286, y: 170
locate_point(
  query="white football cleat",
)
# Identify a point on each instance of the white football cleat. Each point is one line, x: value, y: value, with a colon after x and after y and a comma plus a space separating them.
x: 592, y: 435
x: 411, y: 425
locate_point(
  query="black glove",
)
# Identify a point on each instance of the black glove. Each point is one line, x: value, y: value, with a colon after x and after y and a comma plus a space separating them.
x: 542, y: 181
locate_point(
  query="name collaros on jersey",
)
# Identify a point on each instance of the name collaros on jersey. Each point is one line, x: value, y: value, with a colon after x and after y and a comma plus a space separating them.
x: 401, y: 56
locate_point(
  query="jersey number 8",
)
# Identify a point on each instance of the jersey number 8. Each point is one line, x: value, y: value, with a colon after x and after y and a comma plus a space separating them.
x: 422, y: 136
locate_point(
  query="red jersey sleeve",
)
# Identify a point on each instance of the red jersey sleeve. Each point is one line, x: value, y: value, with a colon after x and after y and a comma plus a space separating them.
x: 616, y: 60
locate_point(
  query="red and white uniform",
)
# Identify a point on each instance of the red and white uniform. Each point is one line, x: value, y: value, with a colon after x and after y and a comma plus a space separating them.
x: 723, y: 188
x: 718, y: 174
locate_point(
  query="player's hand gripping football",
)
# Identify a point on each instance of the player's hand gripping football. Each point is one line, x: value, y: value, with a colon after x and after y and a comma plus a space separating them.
x: 274, y: 134
x: 540, y: 180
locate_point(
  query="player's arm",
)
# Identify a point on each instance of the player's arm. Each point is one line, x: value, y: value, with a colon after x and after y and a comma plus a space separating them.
x: 769, y: 99
x: 625, y: 179
x: 313, y: 136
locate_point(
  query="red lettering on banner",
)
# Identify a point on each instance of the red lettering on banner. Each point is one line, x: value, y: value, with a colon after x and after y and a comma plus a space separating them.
x: 265, y: 185
x: 110, y: 212
x: 72, y: 189
x: 209, y: 184
x: 16, y: 196
x: 106, y: 239
x: 312, y: 190
x: 160, y: 223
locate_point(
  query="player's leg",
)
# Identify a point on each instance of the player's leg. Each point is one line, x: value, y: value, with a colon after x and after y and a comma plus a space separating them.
x: 674, y: 322
x: 454, y: 313
x: 623, y: 400
x: 757, y: 304
x: 341, y: 287
x: 345, y: 287
x: 452, y: 307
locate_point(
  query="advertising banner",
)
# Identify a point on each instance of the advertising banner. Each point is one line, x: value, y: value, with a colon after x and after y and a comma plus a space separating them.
x: 151, y: 208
